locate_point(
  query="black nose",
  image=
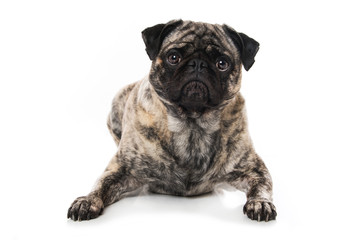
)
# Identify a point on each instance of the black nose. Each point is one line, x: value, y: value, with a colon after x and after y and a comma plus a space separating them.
x: 198, y: 64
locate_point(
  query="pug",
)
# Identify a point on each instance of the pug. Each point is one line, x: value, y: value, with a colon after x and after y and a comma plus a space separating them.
x: 182, y: 130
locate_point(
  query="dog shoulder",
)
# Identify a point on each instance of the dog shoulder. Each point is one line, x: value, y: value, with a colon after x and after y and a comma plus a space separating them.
x: 234, y: 114
x: 234, y: 127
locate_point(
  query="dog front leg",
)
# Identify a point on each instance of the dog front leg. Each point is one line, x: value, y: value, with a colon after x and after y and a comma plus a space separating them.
x: 252, y: 176
x: 113, y: 184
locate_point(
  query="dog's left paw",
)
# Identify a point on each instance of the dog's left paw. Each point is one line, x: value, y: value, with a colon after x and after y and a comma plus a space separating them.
x: 260, y: 210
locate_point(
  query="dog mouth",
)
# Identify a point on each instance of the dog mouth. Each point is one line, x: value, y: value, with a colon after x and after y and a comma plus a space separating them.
x: 195, y: 91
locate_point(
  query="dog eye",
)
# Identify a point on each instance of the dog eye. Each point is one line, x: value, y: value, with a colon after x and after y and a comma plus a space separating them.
x: 174, y: 58
x: 222, y: 65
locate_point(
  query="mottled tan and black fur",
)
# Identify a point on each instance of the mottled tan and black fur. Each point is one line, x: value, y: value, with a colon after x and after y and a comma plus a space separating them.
x: 183, y: 129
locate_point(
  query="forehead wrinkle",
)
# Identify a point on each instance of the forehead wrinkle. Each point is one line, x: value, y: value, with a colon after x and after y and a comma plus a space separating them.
x: 199, y: 35
x: 191, y: 47
x: 190, y: 32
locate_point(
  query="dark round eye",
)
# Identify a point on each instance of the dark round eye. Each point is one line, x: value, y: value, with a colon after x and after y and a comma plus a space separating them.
x: 222, y: 65
x: 174, y: 58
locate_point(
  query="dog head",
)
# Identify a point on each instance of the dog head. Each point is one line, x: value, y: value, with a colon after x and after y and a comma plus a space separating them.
x: 197, y: 66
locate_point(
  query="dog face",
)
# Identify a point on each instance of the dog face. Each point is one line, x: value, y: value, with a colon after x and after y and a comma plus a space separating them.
x: 197, y: 66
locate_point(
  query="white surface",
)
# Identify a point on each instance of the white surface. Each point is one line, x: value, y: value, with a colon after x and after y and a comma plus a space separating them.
x: 61, y: 62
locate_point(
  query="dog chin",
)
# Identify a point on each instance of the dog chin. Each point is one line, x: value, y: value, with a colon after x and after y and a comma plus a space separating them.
x: 187, y: 108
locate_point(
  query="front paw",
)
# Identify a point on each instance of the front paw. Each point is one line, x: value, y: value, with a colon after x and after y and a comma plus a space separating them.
x: 85, y: 208
x: 260, y: 210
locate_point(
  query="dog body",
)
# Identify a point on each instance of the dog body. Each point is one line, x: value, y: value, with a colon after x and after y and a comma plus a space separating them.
x: 183, y: 129
x: 175, y: 156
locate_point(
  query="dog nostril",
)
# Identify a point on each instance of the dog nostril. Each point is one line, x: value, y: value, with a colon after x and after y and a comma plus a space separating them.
x: 198, y: 64
x: 192, y: 63
x: 203, y: 64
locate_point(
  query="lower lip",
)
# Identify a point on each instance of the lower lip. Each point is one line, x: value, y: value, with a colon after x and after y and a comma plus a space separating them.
x: 195, y: 90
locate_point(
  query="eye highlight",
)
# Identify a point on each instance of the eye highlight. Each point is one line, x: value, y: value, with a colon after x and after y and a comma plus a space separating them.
x: 222, y: 64
x: 174, y: 58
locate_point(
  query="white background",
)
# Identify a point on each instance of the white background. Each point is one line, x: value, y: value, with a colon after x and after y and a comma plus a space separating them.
x: 61, y: 63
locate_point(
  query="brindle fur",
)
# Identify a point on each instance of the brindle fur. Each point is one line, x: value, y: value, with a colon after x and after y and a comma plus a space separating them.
x: 173, y: 152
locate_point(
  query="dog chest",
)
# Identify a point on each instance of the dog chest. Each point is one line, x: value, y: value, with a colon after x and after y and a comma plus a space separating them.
x: 193, y: 144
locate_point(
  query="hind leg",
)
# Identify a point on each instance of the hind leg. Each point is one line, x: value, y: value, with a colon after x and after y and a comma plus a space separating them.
x: 115, y: 117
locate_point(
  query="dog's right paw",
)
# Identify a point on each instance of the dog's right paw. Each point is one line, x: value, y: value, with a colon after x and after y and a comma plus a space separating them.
x: 85, y: 208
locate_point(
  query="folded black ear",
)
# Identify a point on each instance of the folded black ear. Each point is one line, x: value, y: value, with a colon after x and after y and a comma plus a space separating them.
x: 154, y: 36
x: 247, y: 46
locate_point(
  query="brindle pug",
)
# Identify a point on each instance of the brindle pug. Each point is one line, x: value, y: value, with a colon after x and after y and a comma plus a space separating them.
x: 183, y: 129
